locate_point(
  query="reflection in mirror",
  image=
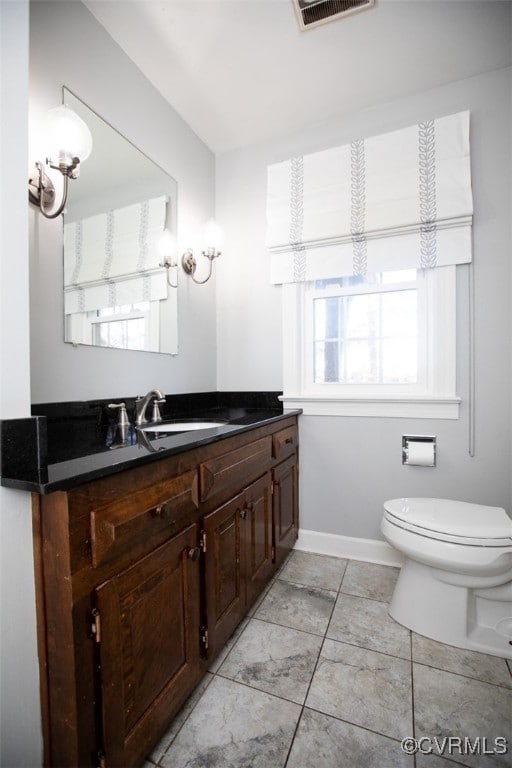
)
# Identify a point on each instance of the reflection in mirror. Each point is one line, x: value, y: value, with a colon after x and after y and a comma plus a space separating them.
x: 116, y: 294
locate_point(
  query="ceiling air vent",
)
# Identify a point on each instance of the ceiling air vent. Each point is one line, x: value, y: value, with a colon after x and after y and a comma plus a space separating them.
x: 310, y: 13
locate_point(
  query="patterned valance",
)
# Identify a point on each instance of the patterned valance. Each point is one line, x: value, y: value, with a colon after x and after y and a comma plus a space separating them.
x: 111, y: 259
x: 394, y: 201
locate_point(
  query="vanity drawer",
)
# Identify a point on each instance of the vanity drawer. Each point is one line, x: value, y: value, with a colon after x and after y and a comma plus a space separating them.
x: 228, y: 474
x: 137, y: 522
x: 285, y: 442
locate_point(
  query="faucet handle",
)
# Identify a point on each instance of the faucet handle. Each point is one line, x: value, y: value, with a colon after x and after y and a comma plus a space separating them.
x: 156, y: 416
x: 123, y: 420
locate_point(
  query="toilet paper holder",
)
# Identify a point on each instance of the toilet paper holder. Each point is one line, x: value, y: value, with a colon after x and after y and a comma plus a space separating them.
x: 425, y: 441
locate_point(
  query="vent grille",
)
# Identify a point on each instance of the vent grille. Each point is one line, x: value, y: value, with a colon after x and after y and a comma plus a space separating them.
x: 310, y: 13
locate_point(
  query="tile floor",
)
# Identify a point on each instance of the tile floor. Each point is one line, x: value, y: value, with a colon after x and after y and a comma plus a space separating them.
x: 319, y: 676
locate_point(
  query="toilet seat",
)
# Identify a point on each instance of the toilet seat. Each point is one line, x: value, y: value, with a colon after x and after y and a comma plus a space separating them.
x: 458, y: 522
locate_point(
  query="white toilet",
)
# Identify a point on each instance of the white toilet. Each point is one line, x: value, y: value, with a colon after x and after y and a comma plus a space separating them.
x: 456, y: 583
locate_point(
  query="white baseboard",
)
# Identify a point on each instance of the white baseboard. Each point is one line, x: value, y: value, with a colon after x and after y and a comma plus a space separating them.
x: 370, y: 550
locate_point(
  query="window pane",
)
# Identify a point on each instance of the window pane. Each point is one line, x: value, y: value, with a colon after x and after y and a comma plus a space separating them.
x: 327, y: 318
x: 399, y: 358
x: 399, y: 314
x: 362, y: 316
x: 326, y: 362
x: 362, y: 362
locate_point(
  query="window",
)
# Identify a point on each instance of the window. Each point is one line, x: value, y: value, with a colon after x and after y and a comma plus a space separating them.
x: 123, y: 327
x: 129, y: 326
x: 380, y: 345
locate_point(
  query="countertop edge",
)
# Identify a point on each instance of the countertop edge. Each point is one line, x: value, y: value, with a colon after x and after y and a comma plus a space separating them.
x: 73, y: 480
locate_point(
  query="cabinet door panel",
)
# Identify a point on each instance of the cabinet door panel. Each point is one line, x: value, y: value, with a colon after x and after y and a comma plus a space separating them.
x: 285, y: 508
x: 225, y: 600
x: 257, y: 536
x: 149, y: 647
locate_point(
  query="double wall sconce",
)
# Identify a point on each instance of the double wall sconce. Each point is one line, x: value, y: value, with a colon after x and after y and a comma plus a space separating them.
x: 69, y: 143
x: 212, y: 241
x: 168, y: 246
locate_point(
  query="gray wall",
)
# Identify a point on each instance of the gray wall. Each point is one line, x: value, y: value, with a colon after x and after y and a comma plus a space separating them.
x: 97, y: 71
x: 349, y: 466
x: 20, y: 729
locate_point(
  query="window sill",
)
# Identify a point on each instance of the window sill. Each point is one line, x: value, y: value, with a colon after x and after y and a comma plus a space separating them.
x: 387, y: 407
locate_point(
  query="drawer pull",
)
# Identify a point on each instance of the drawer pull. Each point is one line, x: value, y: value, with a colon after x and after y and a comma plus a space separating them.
x: 193, y: 554
x: 159, y: 511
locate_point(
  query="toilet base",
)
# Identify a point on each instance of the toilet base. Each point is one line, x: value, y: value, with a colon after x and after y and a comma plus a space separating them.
x: 451, y: 614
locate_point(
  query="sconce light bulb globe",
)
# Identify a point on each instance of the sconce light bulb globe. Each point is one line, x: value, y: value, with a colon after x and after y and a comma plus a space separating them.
x: 167, y: 245
x: 67, y: 135
x: 213, y: 236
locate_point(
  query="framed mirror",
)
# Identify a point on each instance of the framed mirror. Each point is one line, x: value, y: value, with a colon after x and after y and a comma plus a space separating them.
x: 116, y: 294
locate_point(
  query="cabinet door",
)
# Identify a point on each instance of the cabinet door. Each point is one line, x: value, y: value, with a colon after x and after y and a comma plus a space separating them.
x: 149, y: 646
x: 257, y: 537
x: 285, y: 508
x: 225, y: 598
x: 238, y: 559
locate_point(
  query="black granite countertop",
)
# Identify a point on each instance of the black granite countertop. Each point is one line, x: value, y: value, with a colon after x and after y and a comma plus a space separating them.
x: 64, y: 445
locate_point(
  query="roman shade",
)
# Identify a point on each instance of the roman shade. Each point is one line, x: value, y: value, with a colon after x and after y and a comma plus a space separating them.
x: 394, y: 201
x: 112, y: 258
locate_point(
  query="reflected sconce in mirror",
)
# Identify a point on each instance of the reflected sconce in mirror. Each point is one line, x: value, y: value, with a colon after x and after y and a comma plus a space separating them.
x: 68, y: 143
x: 167, y: 247
x: 212, y: 240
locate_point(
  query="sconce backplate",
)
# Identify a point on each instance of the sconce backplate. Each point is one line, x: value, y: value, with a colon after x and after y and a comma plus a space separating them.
x: 188, y: 262
x: 41, y: 184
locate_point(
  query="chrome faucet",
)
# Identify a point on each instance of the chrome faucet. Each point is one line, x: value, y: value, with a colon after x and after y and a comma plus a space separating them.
x: 141, y: 403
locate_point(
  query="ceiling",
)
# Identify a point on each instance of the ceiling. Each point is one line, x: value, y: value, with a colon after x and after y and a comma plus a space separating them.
x: 240, y: 72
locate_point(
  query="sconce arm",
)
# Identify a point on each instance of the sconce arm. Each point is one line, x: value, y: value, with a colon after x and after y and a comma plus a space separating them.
x: 189, y: 263
x: 168, y: 265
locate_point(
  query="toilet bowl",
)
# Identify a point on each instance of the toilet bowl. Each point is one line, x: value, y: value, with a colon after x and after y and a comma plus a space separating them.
x: 456, y: 582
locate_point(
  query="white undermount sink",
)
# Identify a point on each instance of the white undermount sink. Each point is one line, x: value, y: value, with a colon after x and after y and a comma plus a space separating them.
x: 181, y: 426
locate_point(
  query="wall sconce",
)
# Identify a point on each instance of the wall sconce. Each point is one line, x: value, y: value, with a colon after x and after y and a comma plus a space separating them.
x: 213, y: 240
x: 167, y: 247
x: 69, y: 142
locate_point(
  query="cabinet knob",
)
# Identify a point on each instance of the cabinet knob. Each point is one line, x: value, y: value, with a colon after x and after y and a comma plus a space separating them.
x: 193, y: 554
x: 248, y: 508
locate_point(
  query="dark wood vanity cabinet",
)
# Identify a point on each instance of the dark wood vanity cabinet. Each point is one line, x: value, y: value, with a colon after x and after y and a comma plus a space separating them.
x: 142, y: 576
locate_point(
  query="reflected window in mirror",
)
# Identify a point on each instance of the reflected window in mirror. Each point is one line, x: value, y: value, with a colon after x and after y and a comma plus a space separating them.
x: 116, y: 293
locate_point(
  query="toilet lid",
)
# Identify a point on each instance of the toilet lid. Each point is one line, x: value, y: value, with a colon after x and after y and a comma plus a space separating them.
x: 452, y: 519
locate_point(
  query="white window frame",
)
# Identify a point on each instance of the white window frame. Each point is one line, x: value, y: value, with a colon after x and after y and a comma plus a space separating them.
x: 436, y: 398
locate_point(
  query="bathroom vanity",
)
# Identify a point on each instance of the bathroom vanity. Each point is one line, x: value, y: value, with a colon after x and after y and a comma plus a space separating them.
x: 144, y: 568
